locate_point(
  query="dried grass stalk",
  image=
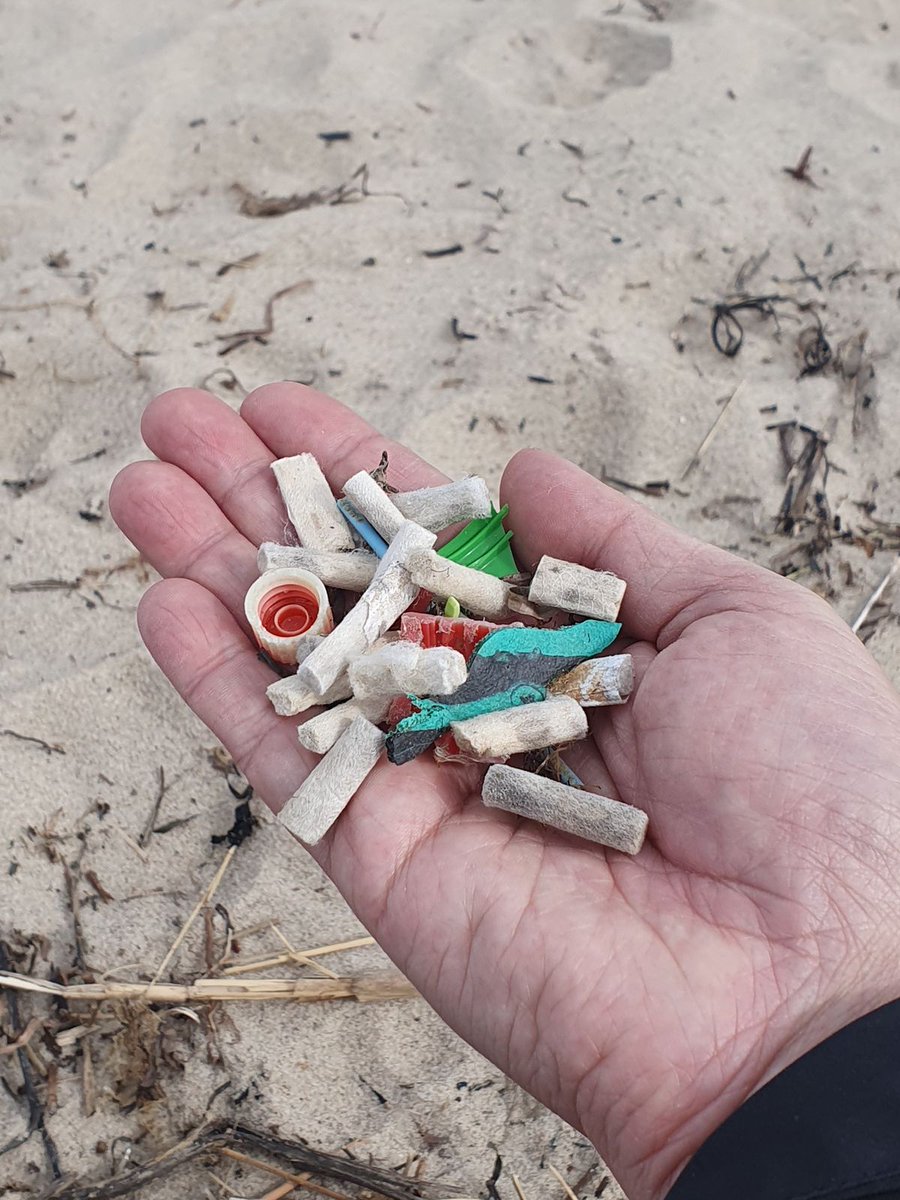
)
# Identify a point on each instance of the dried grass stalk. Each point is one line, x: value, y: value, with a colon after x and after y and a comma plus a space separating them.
x: 389, y: 985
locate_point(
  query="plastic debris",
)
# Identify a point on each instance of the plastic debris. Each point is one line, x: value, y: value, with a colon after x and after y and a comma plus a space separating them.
x: 472, y: 688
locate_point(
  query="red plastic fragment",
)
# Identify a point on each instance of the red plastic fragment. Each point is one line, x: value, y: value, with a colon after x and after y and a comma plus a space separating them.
x: 401, y: 708
x: 446, y: 749
x: 460, y: 633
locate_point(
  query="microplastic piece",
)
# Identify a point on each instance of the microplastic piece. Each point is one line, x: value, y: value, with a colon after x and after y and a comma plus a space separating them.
x: 357, y: 521
x: 284, y: 606
x: 310, y: 505
x: 507, y: 659
x: 351, y: 570
x: 576, y: 589
x: 333, y: 782
x: 571, y: 810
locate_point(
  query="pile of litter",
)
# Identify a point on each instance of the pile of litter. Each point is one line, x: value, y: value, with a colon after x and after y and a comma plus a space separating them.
x: 423, y: 662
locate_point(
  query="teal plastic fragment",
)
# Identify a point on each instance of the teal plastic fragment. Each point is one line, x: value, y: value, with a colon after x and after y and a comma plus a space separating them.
x: 587, y: 639
x: 509, y: 661
x: 415, y: 733
x: 434, y: 714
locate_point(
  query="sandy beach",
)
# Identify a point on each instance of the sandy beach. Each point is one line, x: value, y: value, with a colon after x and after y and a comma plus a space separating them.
x: 484, y: 226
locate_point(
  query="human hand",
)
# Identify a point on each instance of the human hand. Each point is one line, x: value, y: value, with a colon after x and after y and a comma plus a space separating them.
x: 642, y: 999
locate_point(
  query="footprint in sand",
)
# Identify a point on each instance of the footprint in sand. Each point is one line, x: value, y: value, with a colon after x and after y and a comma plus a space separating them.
x: 572, y: 65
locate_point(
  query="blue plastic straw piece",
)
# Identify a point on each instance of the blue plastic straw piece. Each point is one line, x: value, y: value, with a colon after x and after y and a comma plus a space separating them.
x: 357, y: 521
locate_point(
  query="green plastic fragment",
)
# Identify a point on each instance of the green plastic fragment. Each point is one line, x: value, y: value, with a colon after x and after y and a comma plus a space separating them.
x: 484, y: 545
x: 451, y: 608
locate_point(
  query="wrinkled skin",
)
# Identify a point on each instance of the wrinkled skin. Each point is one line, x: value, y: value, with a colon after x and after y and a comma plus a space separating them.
x: 642, y: 999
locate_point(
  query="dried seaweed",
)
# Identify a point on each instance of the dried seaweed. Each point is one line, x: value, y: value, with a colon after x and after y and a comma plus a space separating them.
x: 254, y: 204
x: 36, y: 1115
x: 242, y: 827
x: 50, y: 747
x: 803, y: 453
x: 223, y: 1136
x: 242, y: 336
x: 727, y: 331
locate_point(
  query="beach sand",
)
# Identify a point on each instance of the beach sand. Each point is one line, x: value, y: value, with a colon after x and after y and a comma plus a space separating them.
x: 608, y: 173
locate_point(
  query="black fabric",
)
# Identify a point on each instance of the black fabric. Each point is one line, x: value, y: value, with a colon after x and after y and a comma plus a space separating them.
x: 827, y: 1128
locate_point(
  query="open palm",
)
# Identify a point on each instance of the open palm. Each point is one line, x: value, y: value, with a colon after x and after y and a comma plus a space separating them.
x: 641, y: 999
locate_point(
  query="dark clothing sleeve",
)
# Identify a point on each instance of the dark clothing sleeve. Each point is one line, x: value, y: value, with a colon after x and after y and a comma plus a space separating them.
x: 827, y: 1128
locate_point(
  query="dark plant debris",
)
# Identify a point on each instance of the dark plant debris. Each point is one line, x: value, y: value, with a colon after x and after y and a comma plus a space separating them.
x: 238, y: 264
x: 814, y: 349
x: 149, y: 824
x: 36, y: 1112
x: 800, y: 171
x: 242, y: 336
x: 235, y: 1141
x: 653, y: 487
x: 242, y: 828
x: 351, y: 191
x: 491, y: 1182
x: 460, y: 334
x: 50, y: 747
x: 444, y: 251
x: 19, y: 487
x: 335, y: 135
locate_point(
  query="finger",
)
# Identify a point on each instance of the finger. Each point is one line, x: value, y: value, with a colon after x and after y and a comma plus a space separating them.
x: 291, y: 418
x: 207, y: 657
x: 182, y: 532
x: 558, y: 509
x: 205, y: 438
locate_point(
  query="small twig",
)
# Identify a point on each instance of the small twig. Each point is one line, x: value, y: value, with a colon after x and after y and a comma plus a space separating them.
x: 91, y: 878
x: 50, y: 747
x: 520, y: 1191
x: 866, y: 609
x: 565, y: 1186
x: 277, y: 1193
x: 88, y: 1090
x: 279, y: 960
x: 570, y: 199
x: 204, y: 900
x: 800, y: 172
x: 75, y: 908
x: 47, y: 585
x: 147, y: 831
x: 301, y: 958
x: 444, y: 251
x: 283, y: 1189
x: 24, y: 1037
x: 713, y: 430
x: 301, y: 1181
